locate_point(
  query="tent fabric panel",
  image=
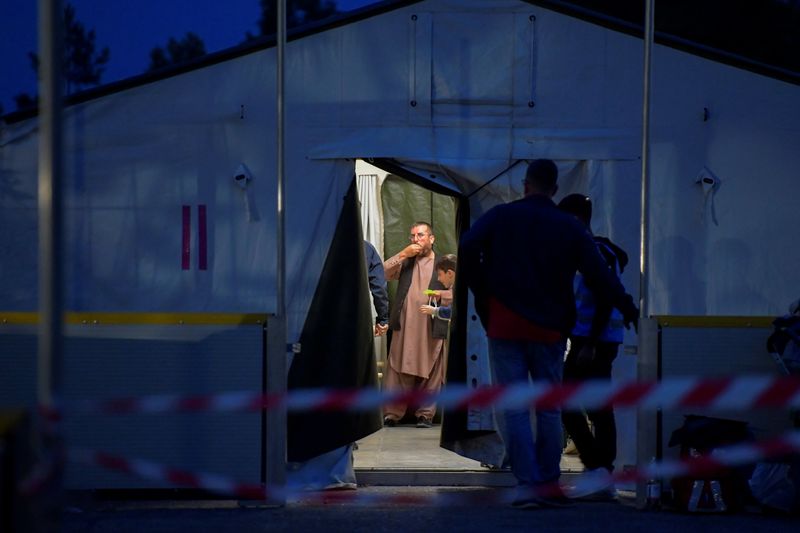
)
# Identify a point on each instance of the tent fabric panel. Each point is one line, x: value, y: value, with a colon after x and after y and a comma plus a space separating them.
x: 315, y: 196
x: 477, y: 145
x: 736, y: 243
x: 459, y: 66
x: 19, y: 290
x: 19, y: 216
x: 337, y: 349
x: 471, y: 432
x: 373, y: 95
x: 586, y: 75
x: 134, y: 160
x: 128, y: 185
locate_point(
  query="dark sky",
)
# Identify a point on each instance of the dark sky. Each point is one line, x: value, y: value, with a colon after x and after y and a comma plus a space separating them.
x: 130, y: 29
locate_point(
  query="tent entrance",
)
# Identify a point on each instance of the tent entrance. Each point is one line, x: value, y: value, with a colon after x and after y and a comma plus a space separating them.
x: 390, y: 204
x: 391, y: 201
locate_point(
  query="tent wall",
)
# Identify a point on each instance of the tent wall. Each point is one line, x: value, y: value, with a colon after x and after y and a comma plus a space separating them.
x: 140, y: 166
x: 104, y: 361
x: 135, y: 161
x: 744, y: 263
x: 586, y: 87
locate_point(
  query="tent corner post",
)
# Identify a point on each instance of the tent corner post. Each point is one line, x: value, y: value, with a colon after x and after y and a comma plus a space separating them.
x: 275, y: 419
x: 647, y: 421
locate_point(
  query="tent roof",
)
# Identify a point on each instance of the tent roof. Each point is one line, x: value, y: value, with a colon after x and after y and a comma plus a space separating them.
x: 268, y: 41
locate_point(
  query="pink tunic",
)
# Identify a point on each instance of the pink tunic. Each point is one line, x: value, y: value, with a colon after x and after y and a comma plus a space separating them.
x: 414, y: 350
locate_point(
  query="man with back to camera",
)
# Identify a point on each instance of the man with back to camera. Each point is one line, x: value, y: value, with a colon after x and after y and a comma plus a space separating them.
x: 416, y: 354
x: 520, y: 259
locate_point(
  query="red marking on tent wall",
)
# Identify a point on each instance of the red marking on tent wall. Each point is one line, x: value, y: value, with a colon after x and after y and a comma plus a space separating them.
x: 186, y: 244
x: 202, y: 238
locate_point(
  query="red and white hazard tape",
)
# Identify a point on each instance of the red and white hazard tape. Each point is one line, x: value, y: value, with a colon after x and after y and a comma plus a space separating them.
x: 172, y: 476
x: 698, y: 467
x: 750, y: 392
x: 42, y: 475
x: 701, y: 466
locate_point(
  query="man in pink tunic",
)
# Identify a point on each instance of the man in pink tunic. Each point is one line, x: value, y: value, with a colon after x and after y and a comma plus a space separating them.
x: 416, y: 355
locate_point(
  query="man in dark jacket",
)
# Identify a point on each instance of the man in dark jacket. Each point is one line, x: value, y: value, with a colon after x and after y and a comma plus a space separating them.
x: 520, y: 260
x: 377, y: 286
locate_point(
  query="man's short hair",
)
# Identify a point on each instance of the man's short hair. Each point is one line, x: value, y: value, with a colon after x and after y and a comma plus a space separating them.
x: 578, y: 205
x: 423, y: 223
x: 542, y: 174
x: 446, y: 262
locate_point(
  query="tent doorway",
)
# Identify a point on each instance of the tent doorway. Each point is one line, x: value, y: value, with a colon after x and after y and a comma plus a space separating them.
x: 390, y: 204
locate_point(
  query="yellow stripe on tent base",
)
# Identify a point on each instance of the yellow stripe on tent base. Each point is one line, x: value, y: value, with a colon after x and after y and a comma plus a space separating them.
x: 688, y: 321
x: 132, y: 319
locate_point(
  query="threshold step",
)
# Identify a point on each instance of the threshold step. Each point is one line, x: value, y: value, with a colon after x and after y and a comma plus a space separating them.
x: 433, y: 477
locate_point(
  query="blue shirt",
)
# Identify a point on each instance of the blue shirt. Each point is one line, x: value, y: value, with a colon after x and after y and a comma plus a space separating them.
x: 586, y: 305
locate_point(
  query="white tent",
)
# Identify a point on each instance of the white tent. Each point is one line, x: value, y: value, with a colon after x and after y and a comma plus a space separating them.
x: 454, y: 92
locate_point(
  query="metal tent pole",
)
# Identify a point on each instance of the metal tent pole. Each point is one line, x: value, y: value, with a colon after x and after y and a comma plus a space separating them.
x: 50, y: 202
x: 50, y: 163
x: 647, y: 363
x: 644, y: 263
x: 275, y: 474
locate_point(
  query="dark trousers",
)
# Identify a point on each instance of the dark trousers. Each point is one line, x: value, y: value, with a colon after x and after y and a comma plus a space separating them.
x: 599, y: 449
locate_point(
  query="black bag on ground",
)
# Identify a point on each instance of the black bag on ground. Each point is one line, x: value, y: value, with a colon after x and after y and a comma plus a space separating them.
x: 699, y: 436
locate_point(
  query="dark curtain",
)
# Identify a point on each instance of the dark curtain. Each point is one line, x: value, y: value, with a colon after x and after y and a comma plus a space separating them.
x: 455, y: 435
x: 337, y: 344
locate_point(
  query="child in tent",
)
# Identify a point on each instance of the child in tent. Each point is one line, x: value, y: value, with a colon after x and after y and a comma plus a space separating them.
x: 446, y: 274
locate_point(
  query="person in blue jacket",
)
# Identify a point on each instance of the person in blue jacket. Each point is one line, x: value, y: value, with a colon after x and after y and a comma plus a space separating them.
x: 594, y: 343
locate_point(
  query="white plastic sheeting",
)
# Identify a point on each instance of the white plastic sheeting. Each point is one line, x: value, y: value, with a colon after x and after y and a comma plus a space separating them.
x: 137, y: 161
x: 746, y: 262
x: 586, y: 86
